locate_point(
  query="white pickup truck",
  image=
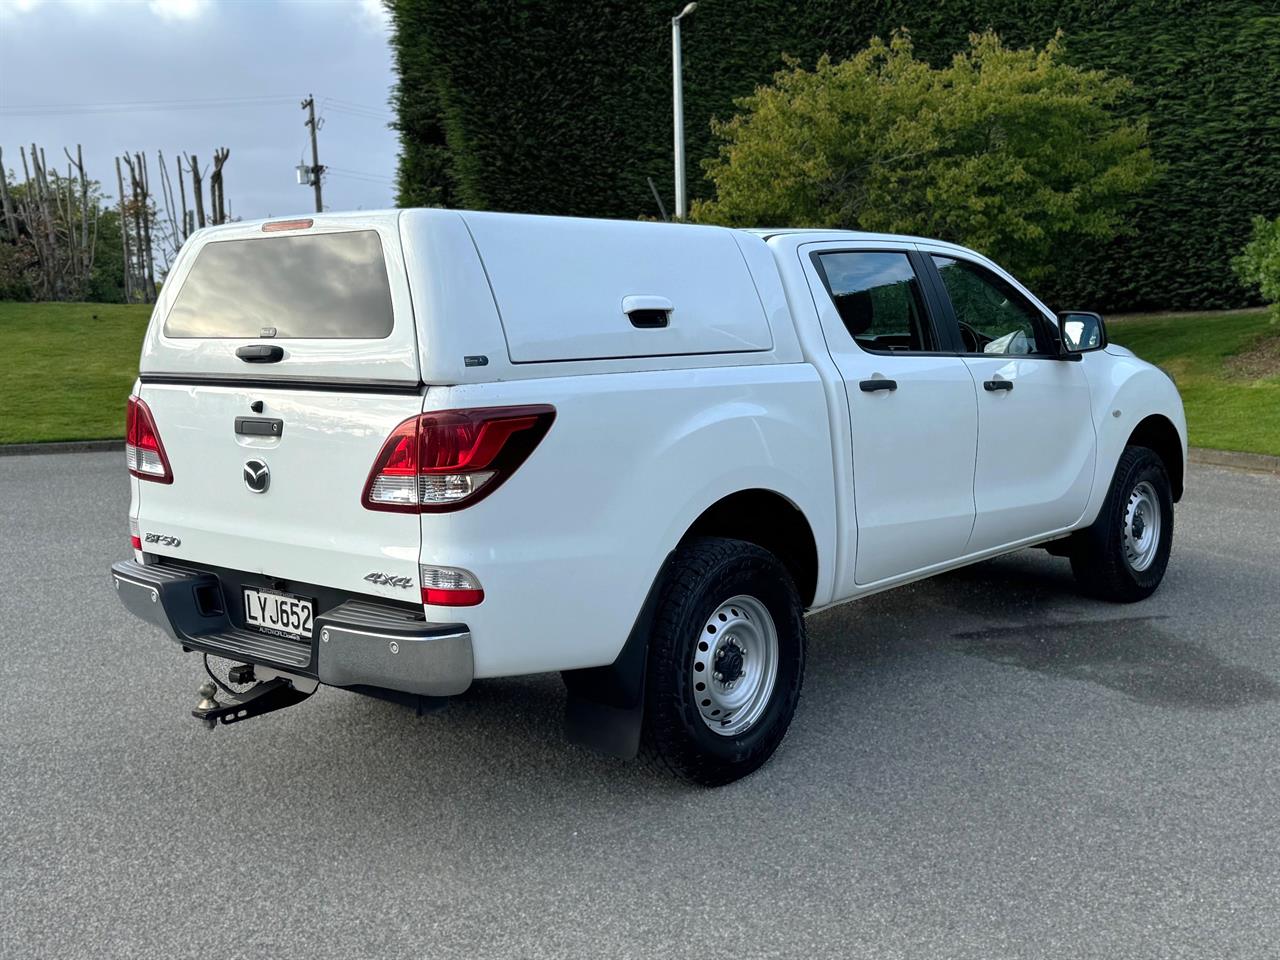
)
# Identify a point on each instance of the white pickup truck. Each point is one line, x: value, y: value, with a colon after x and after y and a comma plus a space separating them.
x: 399, y: 452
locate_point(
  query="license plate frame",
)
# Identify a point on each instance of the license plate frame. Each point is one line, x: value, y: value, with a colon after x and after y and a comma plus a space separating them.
x: 278, y: 614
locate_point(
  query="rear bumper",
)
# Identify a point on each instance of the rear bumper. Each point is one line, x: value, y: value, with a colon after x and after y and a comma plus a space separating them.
x: 355, y: 643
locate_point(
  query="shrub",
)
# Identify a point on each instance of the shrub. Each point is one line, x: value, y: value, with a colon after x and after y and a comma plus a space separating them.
x: 1013, y: 152
x: 1259, y: 263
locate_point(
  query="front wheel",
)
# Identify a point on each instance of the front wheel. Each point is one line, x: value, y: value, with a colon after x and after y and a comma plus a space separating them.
x: 726, y: 658
x: 1123, y: 556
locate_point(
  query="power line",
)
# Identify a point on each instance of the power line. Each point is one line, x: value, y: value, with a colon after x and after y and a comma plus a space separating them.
x: 355, y: 175
x: 141, y: 106
x: 383, y: 117
x: 359, y: 106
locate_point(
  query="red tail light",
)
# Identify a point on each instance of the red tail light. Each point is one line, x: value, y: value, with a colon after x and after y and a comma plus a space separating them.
x: 449, y: 586
x: 450, y: 459
x: 143, y: 450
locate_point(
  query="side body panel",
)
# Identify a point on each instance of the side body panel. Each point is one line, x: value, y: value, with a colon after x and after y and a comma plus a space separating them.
x: 567, y: 550
x: 1125, y: 391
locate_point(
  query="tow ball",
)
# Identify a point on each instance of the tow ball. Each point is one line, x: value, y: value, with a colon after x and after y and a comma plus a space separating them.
x: 264, y: 697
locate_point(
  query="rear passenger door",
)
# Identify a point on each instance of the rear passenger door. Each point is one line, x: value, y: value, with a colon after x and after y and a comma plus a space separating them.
x: 1036, y: 442
x: 911, y: 404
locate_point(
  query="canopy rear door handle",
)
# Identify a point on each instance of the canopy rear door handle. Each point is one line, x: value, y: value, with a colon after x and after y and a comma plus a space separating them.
x: 871, y: 386
x: 647, y: 312
x: 259, y: 427
x: 993, y: 385
x: 260, y: 353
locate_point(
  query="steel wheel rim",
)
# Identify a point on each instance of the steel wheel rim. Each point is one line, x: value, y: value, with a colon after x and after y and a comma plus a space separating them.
x: 1141, y: 530
x: 735, y: 666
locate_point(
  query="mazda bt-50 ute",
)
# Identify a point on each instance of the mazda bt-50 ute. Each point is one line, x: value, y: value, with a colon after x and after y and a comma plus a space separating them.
x: 399, y: 452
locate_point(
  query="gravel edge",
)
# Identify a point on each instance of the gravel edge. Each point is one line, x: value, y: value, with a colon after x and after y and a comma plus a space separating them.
x: 71, y: 446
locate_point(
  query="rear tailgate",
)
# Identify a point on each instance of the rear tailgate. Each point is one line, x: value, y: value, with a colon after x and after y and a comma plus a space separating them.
x: 269, y: 459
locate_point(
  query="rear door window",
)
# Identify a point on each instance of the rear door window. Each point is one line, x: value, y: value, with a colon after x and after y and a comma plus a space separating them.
x: 325, y: 286
x: 878, y: 296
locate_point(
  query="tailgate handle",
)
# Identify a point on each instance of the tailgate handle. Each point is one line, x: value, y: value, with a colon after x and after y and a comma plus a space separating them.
x: 259, y: 426
x: 647, y: 313
x: 260, y: 353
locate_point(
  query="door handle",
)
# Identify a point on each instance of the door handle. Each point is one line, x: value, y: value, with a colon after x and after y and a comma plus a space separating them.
x: 260, y: 353
x: 993, y: 385
x: 647, y: 313
x: 259, y: 427
x: 871, y: 386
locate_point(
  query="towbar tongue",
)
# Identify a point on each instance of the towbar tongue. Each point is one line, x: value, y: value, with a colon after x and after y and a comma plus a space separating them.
x: 264, y: 697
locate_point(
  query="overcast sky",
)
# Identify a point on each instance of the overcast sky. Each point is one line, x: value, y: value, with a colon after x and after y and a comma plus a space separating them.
x: 72, y: 71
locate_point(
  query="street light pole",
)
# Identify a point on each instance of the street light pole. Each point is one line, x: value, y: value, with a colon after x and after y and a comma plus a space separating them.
x: 677, y: 104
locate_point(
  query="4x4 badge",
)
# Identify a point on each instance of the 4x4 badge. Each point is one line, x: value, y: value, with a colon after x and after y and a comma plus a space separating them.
x: 257, y: 476
x: 384, y: 580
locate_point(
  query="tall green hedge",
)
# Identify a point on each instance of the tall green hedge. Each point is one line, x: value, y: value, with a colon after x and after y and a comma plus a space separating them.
x: 564, y: 106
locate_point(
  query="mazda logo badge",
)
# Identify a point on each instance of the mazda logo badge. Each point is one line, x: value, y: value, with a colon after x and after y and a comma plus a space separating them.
x: 257, y: 476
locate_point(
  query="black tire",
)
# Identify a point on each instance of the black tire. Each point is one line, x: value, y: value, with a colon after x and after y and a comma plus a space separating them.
x: 704, y: 574
x: 1098, y: 557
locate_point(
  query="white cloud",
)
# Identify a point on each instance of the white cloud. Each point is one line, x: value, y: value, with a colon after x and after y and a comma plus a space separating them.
x: 178, y: 9
x: 14, y: 7
x: 374, y: 13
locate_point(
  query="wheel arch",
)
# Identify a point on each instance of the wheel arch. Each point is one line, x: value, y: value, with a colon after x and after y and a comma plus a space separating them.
x: 1158, y: 434
x: 605, y: 705
x: 770, y: 521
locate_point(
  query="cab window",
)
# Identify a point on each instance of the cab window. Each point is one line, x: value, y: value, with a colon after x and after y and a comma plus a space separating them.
x: 877, y: 295
x: 994, y: 317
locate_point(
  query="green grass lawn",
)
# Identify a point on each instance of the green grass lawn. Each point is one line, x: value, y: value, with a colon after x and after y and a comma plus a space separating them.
x: 1227, y: 368
x: 67, y: 369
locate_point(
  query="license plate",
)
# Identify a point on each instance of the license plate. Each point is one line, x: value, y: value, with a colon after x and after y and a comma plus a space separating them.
x: 277, y: 613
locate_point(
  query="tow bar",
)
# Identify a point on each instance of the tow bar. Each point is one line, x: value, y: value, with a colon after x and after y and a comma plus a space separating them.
x: 264, y: 697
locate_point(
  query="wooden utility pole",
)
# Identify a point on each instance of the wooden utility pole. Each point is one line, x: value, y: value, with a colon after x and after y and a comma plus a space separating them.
x: 309, y: 105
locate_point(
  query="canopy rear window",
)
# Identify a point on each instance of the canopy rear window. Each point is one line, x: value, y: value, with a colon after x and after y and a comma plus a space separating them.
x: 328, y: 286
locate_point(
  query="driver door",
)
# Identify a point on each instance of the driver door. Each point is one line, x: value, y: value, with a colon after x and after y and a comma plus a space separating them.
x: 1036, y: 440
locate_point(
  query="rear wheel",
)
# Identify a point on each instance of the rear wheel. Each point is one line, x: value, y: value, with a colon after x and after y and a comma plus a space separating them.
x: 1123, y: 556
x: 726, y: 659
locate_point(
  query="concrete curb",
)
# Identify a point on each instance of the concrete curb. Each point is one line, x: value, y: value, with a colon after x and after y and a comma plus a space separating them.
x: 71, y: 446
x: 1258, y: 462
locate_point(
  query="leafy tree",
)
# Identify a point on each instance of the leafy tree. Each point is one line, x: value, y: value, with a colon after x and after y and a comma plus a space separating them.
x: 1259, y: 263
x: 15, y: 264
x: 106, y: 285
x: 1013, y: 152
x: 20, y: 259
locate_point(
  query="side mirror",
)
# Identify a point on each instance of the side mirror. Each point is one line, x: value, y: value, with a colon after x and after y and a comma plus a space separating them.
x: 1080, y: 331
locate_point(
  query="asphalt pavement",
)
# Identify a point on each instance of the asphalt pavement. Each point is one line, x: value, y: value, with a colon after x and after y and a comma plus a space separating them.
x: 984, y: 765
